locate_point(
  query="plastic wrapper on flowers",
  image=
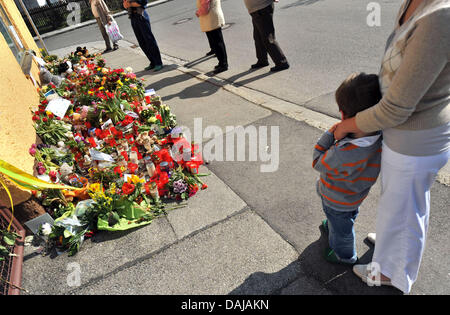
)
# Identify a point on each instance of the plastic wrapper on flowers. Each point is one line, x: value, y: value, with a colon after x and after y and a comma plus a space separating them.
x: 102, y: 132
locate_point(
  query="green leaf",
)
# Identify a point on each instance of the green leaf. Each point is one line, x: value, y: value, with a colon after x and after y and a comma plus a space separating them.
x: 10, y: 238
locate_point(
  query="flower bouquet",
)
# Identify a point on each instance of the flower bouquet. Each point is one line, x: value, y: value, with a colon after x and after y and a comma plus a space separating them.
x: 101, y: 132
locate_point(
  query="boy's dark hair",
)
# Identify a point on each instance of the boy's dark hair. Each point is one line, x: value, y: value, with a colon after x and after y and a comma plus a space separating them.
x: 357, y: 93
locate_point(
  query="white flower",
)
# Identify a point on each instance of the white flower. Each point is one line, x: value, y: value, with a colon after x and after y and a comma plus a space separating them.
x: 129, y: 69
x: 46, y: 229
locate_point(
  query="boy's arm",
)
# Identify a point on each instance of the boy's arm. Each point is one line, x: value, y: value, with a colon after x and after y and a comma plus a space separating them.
x: 325, y: 156
x: 321, y: 147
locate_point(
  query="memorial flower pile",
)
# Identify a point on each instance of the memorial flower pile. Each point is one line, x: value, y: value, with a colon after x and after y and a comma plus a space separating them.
x: 102, y: 132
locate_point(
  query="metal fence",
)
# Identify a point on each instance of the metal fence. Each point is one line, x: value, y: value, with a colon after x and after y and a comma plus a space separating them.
x: 53, y: 15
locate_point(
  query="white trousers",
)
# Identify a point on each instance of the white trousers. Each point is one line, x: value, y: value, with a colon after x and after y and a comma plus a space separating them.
x: 403, y: 214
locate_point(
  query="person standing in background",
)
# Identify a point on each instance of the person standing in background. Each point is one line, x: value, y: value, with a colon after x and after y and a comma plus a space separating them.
x: 103, y: 16
x: 211, y: 21
x: 261, y: 12
x: 140, y: 22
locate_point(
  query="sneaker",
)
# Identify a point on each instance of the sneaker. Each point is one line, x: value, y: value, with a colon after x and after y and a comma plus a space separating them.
x: 157, y: 68
x: 331, y: 257
x: 362, y: 271
x: 115, y: 47
x: 259, y: 65
x: 150, y: 67
x: 280, y: 67
x: 107, y: 50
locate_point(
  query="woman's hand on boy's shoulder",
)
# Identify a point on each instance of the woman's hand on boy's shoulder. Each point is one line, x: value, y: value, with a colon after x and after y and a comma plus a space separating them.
x: 333, y: 128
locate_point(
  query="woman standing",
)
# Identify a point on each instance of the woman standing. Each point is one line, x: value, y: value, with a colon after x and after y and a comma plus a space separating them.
x: 103, y: 16
x: 211, y: 21
x: 414, y: 115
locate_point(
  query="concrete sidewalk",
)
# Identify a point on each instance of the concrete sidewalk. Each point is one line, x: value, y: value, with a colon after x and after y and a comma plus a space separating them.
x: 249, y: 232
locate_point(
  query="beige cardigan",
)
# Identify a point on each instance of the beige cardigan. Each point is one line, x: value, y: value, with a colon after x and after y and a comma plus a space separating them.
x: 100, y: 10
x: 214, y: 19
x: 415, y: 73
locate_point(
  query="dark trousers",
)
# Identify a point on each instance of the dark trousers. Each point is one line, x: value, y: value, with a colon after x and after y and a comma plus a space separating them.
x: 147, y: 42
x: 264, y: 36
x: 217, y: 44
x: 104, y: 34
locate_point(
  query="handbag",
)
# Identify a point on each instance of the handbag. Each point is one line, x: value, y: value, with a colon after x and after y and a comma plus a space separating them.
x: 113, y: 31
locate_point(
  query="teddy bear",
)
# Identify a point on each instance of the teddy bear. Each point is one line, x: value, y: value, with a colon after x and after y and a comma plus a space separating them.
x: 46, y: 77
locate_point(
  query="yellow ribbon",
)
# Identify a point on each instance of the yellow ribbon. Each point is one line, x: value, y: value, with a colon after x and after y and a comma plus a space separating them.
x: 25, y: 181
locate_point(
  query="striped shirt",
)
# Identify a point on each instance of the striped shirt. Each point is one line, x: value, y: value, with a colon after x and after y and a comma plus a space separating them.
x: 348, y: 169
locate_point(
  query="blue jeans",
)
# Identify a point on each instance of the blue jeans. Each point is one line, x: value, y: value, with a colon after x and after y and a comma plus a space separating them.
x: 341, y: 236
x: 147, y: 42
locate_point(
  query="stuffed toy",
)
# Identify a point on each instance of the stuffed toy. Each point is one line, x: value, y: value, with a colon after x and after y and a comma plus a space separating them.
x: 46, y: 77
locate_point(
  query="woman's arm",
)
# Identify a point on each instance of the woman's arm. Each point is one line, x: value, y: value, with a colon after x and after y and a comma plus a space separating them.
x: 424, y: 59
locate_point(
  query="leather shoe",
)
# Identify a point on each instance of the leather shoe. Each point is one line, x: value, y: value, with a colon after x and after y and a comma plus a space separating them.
x: 280, y: 67
x: 259, y: 65
x: 219, y: 69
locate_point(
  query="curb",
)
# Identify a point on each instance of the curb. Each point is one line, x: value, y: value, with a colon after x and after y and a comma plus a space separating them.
x: 90, y: 22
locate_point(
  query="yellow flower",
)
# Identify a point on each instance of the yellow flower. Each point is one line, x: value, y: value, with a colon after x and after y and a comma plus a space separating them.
x: 101, y: 88
x: 120, y: 82
x: 135, y: 179
x: 112, y: 188
x: 97, y: 187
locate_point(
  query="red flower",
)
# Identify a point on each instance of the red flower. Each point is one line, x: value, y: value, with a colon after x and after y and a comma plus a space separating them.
x: 118, y: 170
x: 127, y: 120
x: 132, y: 167
x: 127, y: 188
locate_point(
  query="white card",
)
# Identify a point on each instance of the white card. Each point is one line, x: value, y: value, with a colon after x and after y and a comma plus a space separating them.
x: 58, y: 106
x: 150, y: 92
x: 107, y: 124
x: 39, y: 61
x: 100, y: 156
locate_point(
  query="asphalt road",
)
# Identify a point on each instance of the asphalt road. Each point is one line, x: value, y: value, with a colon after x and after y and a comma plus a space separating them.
x: 324, y: 41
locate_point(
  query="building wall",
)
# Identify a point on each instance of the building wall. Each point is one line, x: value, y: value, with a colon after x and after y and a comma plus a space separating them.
x: 18, y: 95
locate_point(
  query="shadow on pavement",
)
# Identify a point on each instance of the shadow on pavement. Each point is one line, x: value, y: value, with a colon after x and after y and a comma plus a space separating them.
x: 312, y: 275
x: 169, y: 81
x: 198, y: 61
x: 202, y: 89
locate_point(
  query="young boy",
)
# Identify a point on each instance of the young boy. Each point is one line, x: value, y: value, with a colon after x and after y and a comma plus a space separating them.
x: 348, y: 168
